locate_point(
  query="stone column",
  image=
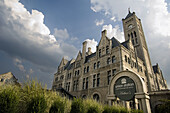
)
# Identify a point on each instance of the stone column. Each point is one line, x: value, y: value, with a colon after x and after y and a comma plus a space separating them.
x: 136, y: 103
x: 145, y: 105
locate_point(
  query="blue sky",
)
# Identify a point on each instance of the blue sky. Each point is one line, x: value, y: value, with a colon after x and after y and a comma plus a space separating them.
x: 36, y: 34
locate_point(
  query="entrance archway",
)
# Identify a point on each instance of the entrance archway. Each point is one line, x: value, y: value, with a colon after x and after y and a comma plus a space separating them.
x: 141, y: 95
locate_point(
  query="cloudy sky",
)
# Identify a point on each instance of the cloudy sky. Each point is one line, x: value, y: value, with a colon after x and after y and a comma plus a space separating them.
x: 36, y: 34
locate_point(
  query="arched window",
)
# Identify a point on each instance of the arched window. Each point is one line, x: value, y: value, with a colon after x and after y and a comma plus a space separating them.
x: 107, y: 49
x: 96, y: 97
x: 84, y: 97
x: 99, y: 52
x: 108, y: 60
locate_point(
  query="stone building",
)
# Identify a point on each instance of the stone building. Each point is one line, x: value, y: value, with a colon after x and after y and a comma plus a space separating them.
x: 117, y: 73
x: 8, y: 79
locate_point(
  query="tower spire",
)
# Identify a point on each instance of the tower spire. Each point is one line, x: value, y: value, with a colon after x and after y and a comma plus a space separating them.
x: 129, y: 10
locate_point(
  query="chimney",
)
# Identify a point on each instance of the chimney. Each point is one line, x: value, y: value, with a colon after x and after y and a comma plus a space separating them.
x: 84, y: 50
x: 89, y: 51
x: 104, y: 33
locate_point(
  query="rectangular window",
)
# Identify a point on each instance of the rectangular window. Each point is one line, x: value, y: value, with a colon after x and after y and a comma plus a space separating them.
x: 77, y: 83
x: 94, y: 65
x: 83, y: 83
x: 98, y: 64
x: 98, y: 79
x: 113, y: 72
x: 74, y: 85
x: 69, y: 86
x: 75, y: 73
x: 108, y: 77
x: 78, y: 72
x: 87, y: 83
x: 108, y: 61
x: 99, y: 52
x: 113, y: 59
x: 94, y: 80
x: 87, y: 68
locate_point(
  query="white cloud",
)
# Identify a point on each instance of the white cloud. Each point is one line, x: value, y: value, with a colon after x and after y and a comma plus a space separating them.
x: 93, y: 9
x: 114, y: 32
x: 24, y: 34
x: 98, y: 23
x: 18, y: 63
x: 59, y: 33
x: 113, y: 18
x: 92, y: 44
x: 16, y: 60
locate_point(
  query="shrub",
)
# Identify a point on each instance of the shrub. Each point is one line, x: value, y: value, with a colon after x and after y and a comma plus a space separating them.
x: 136, y: 111
x: 123, y: 110
x: 77, y: 106
x: 164, y: 108
x: 92, y: 106
x: 9, y: 99
x: 34, y: 97
x: 59, y: 106
x: 93, y: 109
x: 111, y: 109
x: 37, y: 104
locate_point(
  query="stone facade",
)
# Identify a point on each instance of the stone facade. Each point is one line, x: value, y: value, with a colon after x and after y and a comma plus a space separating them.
x: 90, y: 74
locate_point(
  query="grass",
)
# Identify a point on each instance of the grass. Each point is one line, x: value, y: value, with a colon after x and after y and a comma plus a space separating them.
x: 33, y: 98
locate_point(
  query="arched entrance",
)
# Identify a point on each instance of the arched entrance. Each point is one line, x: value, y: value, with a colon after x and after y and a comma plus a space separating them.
x: 129, y: 88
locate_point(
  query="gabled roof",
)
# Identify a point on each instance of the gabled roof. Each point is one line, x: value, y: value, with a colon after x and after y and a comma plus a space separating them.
x: 89, y: 57
x: 125, y: 44
x: 115, y: 42
x: 79, y: 56
x: 69, y: 64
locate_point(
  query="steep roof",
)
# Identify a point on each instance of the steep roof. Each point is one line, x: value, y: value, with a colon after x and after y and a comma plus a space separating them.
x: 125, y: 44
x: 129, y: 15
x: 90, y: 56
x: 115, y: 42
x: 69, y: 64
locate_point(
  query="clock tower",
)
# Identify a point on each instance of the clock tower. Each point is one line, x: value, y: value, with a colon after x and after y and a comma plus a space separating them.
x: 133, y: 29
